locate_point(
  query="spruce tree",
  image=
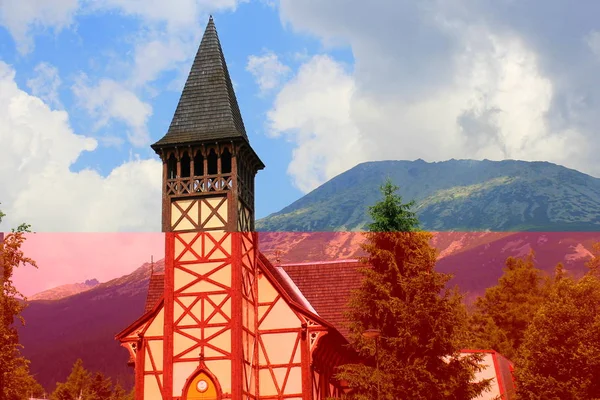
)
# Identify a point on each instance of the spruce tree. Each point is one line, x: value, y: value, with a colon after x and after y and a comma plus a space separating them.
x: 76, y: 386
x: 390, y: 214
x: 420, y: 322
x: 100, y: 387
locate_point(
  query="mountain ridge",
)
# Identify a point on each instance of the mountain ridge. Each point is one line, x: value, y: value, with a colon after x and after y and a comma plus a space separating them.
x: 66, y: 290
x: 469, y: 195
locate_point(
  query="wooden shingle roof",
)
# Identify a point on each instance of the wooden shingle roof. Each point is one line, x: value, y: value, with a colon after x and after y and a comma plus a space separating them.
x: 208, y: 108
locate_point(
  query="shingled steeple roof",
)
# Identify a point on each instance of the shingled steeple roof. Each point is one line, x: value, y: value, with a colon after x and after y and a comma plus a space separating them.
x: 207, y: 109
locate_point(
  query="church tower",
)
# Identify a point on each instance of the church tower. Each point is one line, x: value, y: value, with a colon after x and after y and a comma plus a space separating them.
x: 208, y: 346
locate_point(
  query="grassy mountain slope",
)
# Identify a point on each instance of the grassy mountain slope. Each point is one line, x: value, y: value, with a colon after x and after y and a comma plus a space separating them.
x: 453, y: 195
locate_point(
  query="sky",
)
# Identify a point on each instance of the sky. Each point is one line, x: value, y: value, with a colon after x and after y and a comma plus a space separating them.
x: 68, y: 257
x: 86, y: 86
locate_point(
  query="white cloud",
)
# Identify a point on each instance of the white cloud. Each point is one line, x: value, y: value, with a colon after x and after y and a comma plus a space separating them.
x: 45, y: 84
x: 177, y: 15
x: 23, y: 17
x: 152, y: 56
x: 267, y: 70
x: 167, y: 38
x: 433, y: 80
x: 313, y: 112
x: 38, y: 149
x: 111, y: 100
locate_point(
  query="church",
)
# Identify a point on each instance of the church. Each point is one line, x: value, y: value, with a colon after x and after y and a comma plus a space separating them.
x: 223, y: 322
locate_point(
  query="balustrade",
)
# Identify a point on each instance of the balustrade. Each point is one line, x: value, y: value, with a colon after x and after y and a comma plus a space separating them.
x: 198, y: 184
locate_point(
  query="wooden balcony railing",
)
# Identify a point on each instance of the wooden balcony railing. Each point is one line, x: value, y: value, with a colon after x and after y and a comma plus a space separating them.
x: 198, y: 184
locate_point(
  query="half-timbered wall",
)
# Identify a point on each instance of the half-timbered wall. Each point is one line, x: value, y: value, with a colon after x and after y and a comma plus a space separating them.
x: 282, y: 342
x: 200, y: 307
x: 249, y: 294
x: 145, y: 345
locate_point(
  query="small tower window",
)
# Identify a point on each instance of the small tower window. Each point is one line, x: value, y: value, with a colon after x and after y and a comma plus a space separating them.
x: 171, y: 167
x: 212, y: 162
x: 198, y: 164
x: 226, y: 161
x: 185, y: 165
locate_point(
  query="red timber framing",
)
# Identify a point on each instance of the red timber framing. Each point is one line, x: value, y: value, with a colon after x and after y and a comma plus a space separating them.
x: 282, y: 351
x: 200, y: 309
x: 287, y: 335
x: 144, y: 340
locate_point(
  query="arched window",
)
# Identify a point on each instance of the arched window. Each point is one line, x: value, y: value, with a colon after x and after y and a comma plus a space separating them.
x: 198, y: 164
x: 212, y: 162
x: 185, y: 165
x: 202, y: 387
x: 226, y: 161
x: 172, y: 167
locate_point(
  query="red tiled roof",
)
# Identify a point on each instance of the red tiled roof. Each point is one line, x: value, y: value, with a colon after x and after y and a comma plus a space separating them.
x: 156, y: 288
x: 327, y: 286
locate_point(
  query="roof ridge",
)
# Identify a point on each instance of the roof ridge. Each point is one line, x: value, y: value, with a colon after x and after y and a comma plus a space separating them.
x: 341, y: 261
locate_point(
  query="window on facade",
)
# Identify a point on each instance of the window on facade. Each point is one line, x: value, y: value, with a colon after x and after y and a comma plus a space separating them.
x: 226, y: 162
x: 171, y: 167
x: 198, y: 164
x: 212, y: 162
x: 185, y: 165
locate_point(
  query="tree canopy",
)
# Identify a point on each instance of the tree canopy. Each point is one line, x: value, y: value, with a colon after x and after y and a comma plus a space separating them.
x: 420, y: 323
x: 83, y: 385
x: 560, y: 354
x: 503, y: 313
x: 391, y: 214
x: 16, y: 382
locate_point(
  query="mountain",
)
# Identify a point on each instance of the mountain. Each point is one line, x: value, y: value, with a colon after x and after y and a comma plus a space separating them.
x: 58, y: 332
x: 453, y: 195
x: 475, y: 259
x: 63, y: 291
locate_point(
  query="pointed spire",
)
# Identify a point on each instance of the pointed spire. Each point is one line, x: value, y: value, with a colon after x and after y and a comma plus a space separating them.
x: 208, y: 108
x: 151, y: 265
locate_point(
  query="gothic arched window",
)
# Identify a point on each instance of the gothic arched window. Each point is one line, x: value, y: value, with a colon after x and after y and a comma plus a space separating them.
x: 226, y: 161
x: 185, y: 165
x: 212, y: 162
x: 172, y: 167
x: 198, y: 164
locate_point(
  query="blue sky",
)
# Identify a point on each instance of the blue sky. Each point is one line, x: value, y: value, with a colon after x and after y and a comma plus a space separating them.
x: 86, y: 86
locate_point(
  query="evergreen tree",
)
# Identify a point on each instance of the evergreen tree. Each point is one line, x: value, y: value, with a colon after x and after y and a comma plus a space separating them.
x: 83, y: 385
x: 20, y: 384
x: 119, y: 393
x: 76, y: 386
x: 421, y: 324
x: 503, y: 314
x: 16, y: 383
x: 390, y: 214
x: 100, y: 388
x: 560, y: 354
